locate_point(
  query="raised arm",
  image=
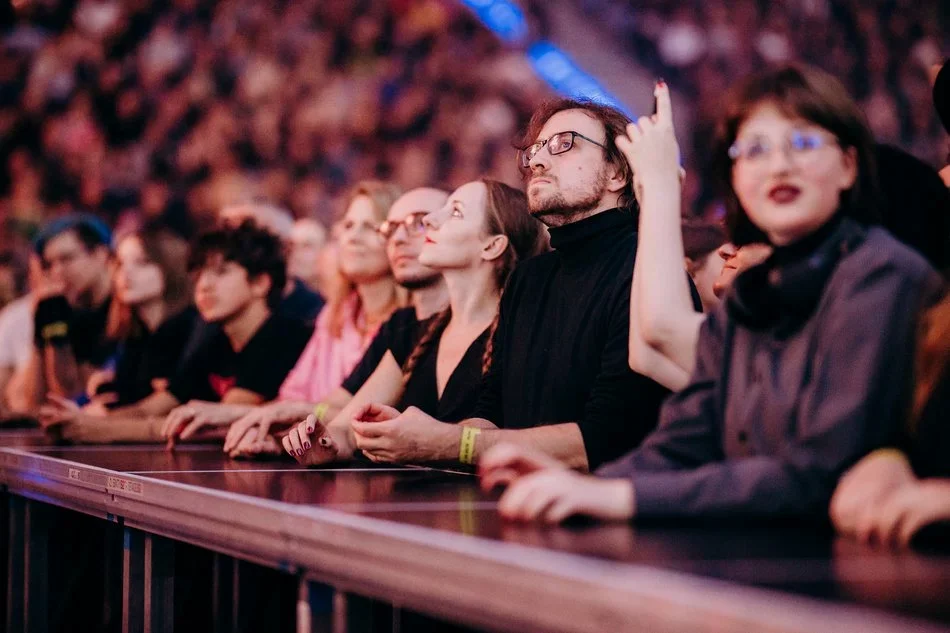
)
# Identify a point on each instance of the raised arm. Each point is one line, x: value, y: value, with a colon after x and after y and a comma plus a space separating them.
x: 662, y: 317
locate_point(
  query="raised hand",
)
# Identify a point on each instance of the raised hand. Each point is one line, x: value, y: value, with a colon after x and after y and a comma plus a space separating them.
x: 651, y: 149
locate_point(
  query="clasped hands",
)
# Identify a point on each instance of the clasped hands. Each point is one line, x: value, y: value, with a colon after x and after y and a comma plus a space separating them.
x: 383, y: 434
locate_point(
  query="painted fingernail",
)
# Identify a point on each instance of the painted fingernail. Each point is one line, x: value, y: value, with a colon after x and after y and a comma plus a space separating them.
x: 306, y: 446
x: 660, y: 82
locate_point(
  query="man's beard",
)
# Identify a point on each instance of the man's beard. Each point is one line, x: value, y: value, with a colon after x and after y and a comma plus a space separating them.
x: 556, y: 211
x: 420, y: 282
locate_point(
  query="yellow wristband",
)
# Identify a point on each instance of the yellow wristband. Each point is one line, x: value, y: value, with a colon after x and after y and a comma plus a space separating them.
x: 467, y: 444
x: 890, y: 453
x: 55, y: 330
x: 320, y: 411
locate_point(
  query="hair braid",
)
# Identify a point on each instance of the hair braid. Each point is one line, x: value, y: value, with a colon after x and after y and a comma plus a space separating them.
x: 432, y: 333
x: 489, y: 345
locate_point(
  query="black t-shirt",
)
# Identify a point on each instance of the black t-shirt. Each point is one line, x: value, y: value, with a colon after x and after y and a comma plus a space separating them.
x: 87, y: 335
x: 215, y: 368
x: 929, y: 446
x: 402, y: 330
x: 461, y: 392
x: 151, y: 356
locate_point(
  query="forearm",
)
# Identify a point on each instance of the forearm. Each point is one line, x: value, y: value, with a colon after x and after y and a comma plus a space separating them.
x: 336, y: 401
x: 115, y: 430
x: 563, y: 442
x: 34, y: 382
x: 662, y: 302
x: 62, y: 374
x: 648, y: 361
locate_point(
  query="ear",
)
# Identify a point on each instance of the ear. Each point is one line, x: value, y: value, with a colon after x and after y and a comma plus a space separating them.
x: 260, y: 286
x: 849, y: 159
x: 690, y: 266
x: 615, y: 179
x: 494, y: 247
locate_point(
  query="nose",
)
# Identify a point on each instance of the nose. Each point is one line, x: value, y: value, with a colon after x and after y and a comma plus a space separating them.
x: 203, y: 282
x: 540, y: 162
x: 432, y: 221
x: 780, y: 158
x: 727, y: 251
x: 400, y: 234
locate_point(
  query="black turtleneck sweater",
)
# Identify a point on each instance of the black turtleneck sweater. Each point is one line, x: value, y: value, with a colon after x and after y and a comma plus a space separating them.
x: 560, y: 352
x: 803, y: 370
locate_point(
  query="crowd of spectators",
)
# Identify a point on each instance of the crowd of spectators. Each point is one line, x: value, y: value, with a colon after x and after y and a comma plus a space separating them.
x: 884, y: 50
x: 135, y: 109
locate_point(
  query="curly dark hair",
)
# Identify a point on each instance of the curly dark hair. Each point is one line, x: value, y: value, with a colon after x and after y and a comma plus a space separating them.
x: 251, y: 247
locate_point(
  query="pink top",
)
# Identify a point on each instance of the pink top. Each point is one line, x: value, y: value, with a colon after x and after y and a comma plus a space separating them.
x: 327, y: 361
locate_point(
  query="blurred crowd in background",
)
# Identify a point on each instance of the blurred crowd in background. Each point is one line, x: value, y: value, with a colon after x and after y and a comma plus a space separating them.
x: 135, y: 109
x: 173, y: 109
x: 883, y: 50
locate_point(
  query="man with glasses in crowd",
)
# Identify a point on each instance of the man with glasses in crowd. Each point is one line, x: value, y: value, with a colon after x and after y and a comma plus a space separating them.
x: 559, y: 379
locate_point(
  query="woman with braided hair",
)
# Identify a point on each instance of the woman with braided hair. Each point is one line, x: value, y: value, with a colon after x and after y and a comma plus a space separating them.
x: 475, y: 240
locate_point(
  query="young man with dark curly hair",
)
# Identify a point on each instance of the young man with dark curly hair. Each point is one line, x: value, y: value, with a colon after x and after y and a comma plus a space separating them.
x: 241, y: 273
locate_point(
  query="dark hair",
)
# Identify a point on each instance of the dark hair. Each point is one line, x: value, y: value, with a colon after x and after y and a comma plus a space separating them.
x: 166, y: 249
x: 253, y: 248
x: 800, y: 92
x: 701, y: 238
x: 941, y: 94
x: 507, y: 214
x: 89, y: 230
x: 615, y: 124
x: 915, y: 204
x: 20, y: 269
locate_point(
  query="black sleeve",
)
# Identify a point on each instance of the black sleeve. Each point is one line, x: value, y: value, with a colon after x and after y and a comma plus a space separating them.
x: 609, y: 426
x: 400, y: 331
x: 270, y: 355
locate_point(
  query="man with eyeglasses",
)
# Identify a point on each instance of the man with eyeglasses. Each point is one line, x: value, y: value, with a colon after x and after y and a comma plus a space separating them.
x: 559, y: 380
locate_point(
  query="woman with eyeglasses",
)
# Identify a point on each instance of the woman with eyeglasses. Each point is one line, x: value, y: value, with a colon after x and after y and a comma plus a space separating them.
x: 806, y: 365
x: 365, y: 299
x: 475, y: 241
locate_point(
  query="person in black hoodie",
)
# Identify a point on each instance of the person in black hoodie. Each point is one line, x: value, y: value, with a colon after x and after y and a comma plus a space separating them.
x: 558, y: 379
x: 806, y: 366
